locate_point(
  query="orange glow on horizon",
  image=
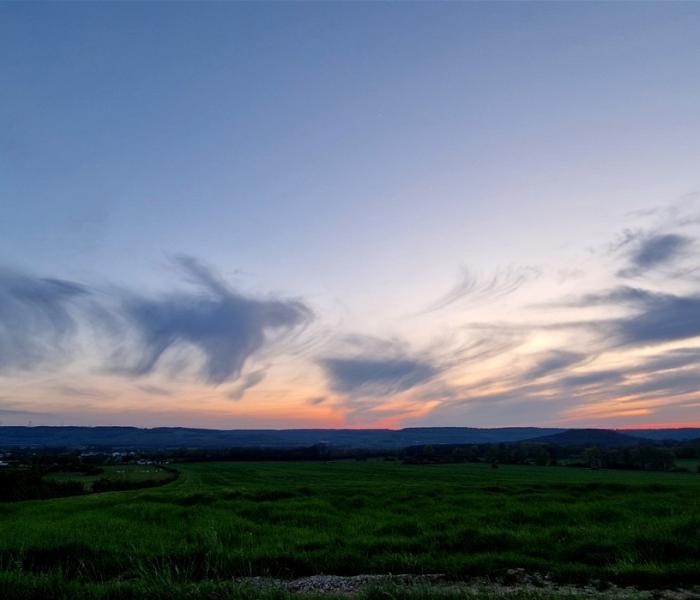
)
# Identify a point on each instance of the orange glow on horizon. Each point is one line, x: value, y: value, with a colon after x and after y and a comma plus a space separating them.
x: 676, y: 425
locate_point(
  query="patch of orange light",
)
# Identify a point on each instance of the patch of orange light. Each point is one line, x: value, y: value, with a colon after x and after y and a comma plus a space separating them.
x: 666, y: 425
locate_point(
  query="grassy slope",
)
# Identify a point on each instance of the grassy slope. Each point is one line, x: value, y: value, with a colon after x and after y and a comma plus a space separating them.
x: 221, y: 519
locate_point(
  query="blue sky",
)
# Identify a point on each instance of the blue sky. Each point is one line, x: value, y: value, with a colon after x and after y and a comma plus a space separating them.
x: 395, y: 178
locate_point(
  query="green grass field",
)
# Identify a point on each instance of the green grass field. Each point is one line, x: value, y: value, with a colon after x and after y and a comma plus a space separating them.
x: 222, y: 520
x: 131, y: 473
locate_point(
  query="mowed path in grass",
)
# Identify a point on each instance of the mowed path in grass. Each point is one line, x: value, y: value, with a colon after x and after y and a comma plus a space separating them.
x: 219, y: 520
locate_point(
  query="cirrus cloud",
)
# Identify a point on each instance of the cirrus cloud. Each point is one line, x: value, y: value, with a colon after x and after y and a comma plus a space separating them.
x: 41, y: 317
x: 37, y: 320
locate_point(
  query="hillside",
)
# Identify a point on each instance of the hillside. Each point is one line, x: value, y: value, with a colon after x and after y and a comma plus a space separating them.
x: 589, y: 437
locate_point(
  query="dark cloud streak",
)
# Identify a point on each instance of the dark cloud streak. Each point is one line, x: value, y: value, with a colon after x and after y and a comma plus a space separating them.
x: 376, y: 376
x: 36, y: 319
x: 553, y: 361
x: 654, y: 251
x: 225, y: 326
x: 249, y: 381
x: 39, y: 320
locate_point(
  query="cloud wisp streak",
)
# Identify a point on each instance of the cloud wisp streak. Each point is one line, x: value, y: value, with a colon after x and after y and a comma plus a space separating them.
x: 657, y: 317
x: 37, y: 321
x: 249, y: 381
x: 552, y: 362
x: 471, y: 290
x: 654, y: 251
x: 376, y: 376
x: 226, y: 327
x: 40, y: 319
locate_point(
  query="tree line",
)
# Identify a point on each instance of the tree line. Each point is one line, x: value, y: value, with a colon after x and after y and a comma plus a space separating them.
x: 643, y: 456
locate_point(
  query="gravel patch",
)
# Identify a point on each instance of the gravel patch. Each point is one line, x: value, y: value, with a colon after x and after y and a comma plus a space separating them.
x: 512, y: 582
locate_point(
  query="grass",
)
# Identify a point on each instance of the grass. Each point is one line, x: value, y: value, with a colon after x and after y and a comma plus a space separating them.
x: 131, y: 473
x: 692, y: 464
x: 223, y: 520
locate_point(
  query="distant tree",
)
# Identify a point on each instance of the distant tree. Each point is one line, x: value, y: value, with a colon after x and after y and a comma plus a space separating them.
x: 541, y: 456
x: 459, y: 454
x: 685, y: 452
x: 593, y: 457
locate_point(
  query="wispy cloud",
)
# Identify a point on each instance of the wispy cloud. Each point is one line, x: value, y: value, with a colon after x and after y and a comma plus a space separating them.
x: 676, y: 358
x: 594, y: 378
x: 71, y: 391
x: 316, y: 400
x: 154, y: 390
x: 250, y: 380
x: 375, y: 367
x: 224, y: 325
x: 551, y: 362
x: 560, y: 379
x: 656, y: 317
x: 37, y: 320
x: 376, y: 376
x: 654, y: 251
x: 609, y: 344
x: 471, y: 289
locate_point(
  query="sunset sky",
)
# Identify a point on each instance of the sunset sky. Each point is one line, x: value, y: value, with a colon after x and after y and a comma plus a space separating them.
x: 350, y: 214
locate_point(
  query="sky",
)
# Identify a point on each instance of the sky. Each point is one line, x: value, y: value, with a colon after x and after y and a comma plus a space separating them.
x: 282, y: 215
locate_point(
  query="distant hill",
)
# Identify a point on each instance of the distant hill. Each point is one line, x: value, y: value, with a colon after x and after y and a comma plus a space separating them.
x: 589, y: 437
x: 183, y: 437
x: 680, y: 434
